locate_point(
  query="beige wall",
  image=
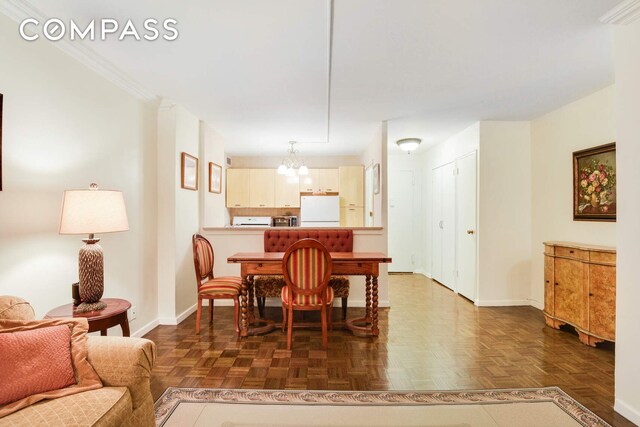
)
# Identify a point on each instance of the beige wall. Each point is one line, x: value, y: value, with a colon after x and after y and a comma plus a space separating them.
x: 627, y: 94
x: 65, y: 127
x: 504, y: 230
x: 585, y: 123
x: 213, y: 208
x: 179, y: 213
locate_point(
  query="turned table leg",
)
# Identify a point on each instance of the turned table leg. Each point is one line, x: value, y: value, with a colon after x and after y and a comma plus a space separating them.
x: 251, y: 318
x: 374, y: 319
x: 367, y: 314
x: 244, y: 326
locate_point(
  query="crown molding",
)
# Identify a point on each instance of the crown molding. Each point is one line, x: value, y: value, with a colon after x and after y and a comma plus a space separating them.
x: 18, y: 10
x: 623, y: 14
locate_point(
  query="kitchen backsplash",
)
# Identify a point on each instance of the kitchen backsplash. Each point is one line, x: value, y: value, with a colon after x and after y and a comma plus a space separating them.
x: 233, y: 212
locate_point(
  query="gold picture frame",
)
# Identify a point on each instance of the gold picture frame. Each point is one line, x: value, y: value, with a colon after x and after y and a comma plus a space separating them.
x: 189, y: 175
x: 215, y: 178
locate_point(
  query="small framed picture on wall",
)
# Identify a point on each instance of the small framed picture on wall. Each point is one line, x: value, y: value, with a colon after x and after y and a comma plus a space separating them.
x: 189, y: 168
x: 215, y: 178
x: 376, y: 178
x: 595, y: 184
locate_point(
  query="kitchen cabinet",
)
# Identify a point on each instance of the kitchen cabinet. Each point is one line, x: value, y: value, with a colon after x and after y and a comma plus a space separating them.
x: 287, y: 191
x: 580, y: 289
x: 351, y: 186
x: 320, y: 180
x: 352, y: 217
x: 262, y: 188
x: 237, y: 188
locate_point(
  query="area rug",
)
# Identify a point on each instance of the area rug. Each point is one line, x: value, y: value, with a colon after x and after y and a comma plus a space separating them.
x: 269, y: 408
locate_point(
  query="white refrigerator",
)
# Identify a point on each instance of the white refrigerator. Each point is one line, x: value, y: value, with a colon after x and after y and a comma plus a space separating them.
x: 320, y: 211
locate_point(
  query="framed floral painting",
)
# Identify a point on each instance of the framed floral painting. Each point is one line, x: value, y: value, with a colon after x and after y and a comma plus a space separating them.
x: 594, y: 184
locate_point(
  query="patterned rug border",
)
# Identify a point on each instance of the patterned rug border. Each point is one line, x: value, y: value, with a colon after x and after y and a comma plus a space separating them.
x: 173, y: 396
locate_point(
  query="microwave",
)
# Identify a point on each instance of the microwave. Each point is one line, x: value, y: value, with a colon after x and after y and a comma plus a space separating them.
x: 285, y: 221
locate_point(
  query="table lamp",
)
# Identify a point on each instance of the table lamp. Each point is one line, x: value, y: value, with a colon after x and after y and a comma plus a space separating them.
x: 92, y: 211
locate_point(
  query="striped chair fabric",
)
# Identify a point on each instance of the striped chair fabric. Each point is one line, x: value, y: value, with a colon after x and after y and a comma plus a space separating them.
x: 306, y: 268
x: 204, y: 254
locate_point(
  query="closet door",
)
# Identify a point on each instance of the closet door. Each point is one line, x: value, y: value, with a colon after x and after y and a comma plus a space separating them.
x: 436, y: 225
x: 466, y: 231
x: 448, y: 226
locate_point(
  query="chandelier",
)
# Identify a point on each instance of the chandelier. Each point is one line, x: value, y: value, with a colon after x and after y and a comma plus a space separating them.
x: 290, y: 164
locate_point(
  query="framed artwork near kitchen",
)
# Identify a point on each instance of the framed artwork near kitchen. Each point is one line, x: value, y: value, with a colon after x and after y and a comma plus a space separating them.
x: 189, y: 180
x: 376, y: 178
x: 215, y: 178
x: 594, y: 184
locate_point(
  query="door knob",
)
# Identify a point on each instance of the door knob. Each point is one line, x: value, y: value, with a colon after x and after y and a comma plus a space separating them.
x: 470, y: 231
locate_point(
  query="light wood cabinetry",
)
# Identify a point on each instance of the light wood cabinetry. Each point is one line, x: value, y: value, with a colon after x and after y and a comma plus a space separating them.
x: 262, y: 188
x: 250, y: 188
x: 351, y: 186
x: 237, y: 188
x: 287, y: 192
x: 320, y: 180
x: 352, y: 217
x: 351, y: 181
x: 580, y: 289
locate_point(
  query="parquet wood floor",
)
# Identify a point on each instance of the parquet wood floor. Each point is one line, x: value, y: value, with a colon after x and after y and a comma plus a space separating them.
x: 430, y: 339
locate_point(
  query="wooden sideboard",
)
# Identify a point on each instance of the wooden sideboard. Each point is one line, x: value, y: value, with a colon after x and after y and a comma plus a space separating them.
x: 580, y: 289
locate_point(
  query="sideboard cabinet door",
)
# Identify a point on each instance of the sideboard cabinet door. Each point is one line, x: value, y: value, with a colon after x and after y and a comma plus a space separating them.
x: 549, y: 281
x: 602, y: 301
x: 569, y: 291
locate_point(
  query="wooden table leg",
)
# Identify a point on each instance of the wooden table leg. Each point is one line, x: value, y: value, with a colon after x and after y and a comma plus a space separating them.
x: 367, y: 314
x: 244, y: 326
x: 374, y: 319
x: 251, y: 298
x: 125, y: 326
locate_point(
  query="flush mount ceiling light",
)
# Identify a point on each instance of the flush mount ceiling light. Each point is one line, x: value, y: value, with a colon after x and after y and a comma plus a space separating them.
x: 408, y: 144
x: 291, y: 164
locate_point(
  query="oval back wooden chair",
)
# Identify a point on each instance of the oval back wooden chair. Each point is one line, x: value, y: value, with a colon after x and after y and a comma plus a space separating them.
x: 306, y: 267
x: 210, y: 287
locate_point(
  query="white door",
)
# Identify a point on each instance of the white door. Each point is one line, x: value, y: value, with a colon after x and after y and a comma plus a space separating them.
x: 448, y: 226
x: 436, y: 225
x: 401, y: 238
x: 466, y: 233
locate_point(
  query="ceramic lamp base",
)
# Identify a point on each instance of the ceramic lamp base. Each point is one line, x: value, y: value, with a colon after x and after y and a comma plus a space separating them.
x: 91, y: 263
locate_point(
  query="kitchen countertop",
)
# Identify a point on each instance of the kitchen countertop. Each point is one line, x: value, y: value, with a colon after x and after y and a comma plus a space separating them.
x: 247, y: 229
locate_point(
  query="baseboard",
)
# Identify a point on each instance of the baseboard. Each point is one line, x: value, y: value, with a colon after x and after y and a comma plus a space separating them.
x: 422, y: 272
x: 537, y: 304
x: 146, y: 329
x: 502, y: 302
x: 627, y: 411
x: 177, y: 320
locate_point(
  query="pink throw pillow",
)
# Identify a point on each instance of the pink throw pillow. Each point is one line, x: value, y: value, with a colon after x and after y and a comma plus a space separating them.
x: 35, y: 361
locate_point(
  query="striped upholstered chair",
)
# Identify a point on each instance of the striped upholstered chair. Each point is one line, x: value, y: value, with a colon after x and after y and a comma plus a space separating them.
x: 306, y: 268
x: 210, y: 287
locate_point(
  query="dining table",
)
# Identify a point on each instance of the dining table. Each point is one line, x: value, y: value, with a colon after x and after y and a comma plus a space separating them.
x: 343, y: 263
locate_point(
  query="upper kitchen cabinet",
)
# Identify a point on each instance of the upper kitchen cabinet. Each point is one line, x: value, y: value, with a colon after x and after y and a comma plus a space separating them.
x: 351, y: 186
x: 287, y: 191
x: 320, y: 180
x: 237, y: 188
x: 250, y: 188
x: 262, y: 188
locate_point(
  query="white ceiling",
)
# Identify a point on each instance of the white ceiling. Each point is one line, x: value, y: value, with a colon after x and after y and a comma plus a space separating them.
x: 256, y: 70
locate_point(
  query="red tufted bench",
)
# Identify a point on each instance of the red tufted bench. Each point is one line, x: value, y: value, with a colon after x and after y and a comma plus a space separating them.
x: 280, y: 240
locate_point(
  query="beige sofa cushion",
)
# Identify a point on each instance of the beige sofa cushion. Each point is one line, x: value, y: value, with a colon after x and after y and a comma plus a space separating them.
x: 107, y: 406
x: 15, y: 308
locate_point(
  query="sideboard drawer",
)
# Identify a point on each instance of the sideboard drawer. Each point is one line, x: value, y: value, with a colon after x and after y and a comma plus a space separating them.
x: 565, y: 252
x: 602, y: 257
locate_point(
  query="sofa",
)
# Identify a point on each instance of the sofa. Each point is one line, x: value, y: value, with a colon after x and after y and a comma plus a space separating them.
x: 124, y: 368
x: 335, y: 240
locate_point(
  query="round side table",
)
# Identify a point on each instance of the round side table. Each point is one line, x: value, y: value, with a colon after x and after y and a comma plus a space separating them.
x: 115, y: 313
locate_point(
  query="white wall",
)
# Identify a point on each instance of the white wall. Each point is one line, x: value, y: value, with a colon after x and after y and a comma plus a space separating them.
x: 460, y: 144
x: 627, y: 94
x: 504, y: 230
x: 376, y: 152
x: 179, y: 212
x: 213, y: 208
x: 65, y: 127
x: 585, y: 123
